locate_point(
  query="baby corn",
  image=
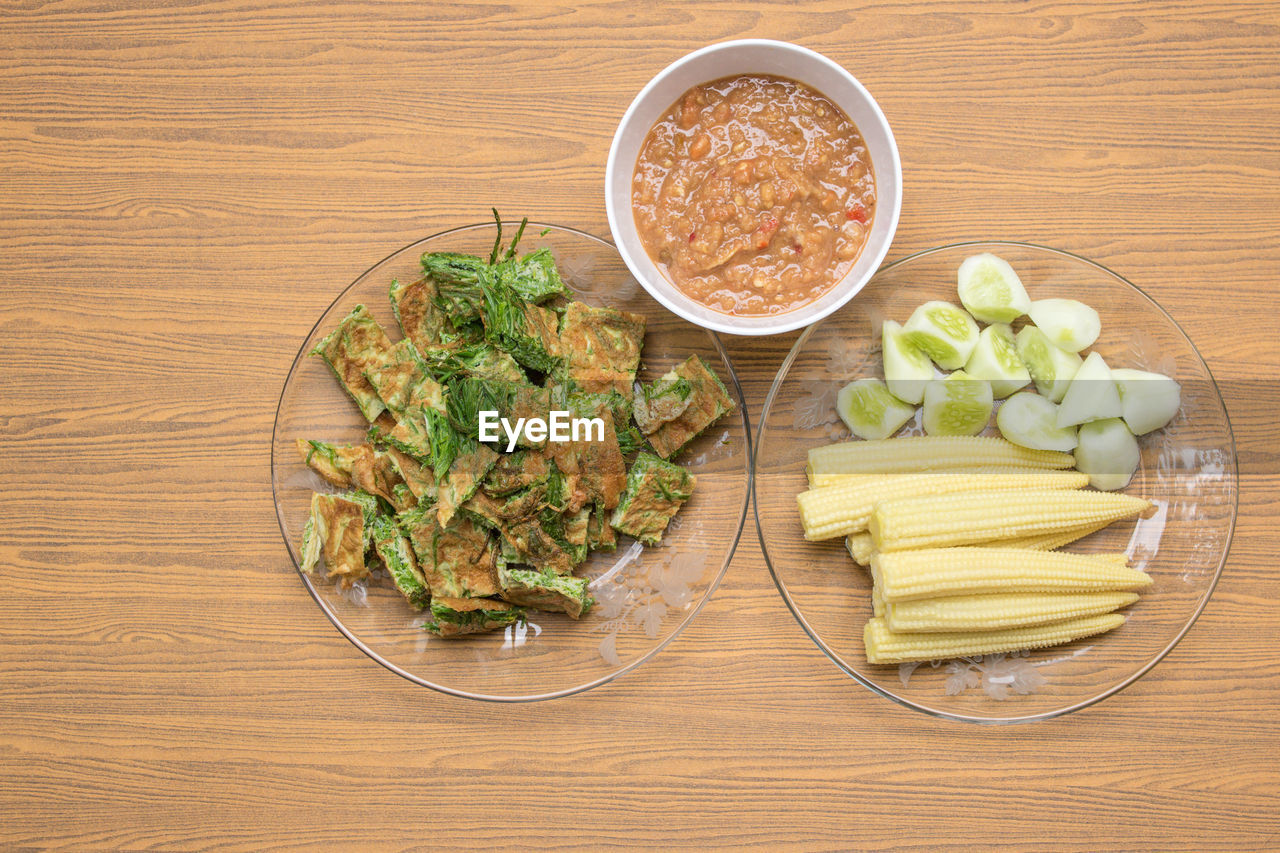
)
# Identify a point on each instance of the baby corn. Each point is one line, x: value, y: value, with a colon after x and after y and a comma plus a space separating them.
x: 936, y: 572
x: 886, y: 646
x: 998, y: 611
x: 928, y: 453
x: 861, y: 547
x: 833, y: 511
x: 968, y: 518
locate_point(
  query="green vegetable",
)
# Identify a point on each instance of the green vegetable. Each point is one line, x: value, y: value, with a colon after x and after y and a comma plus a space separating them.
x: 1068, y: 323
x: 906, y: 368
x: 1091, y: 396
x: 1108, y: 453
x: 990, y: 290
x: 1030, y: 420
x: 957, y: 405
x: 870, y: 411
x: 1050, y: 366
x: 398, y: 557
x: 996, y: 360
x: 943, y: 332
x: 528, y: 332
x: 1148, y: 401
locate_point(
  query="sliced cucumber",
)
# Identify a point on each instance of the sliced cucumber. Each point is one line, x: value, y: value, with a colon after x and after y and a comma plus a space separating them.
x: 1108, y: 453
x: 870, y: 411
x: 990, y: 290
x: 1030, y: 420
x: 1091, y: 396
x: 906, y: 368
x: 1148, y: 400
x: 1069, y: 324
x: 943, y: 332
x: 996, y: 360
x: 1050, y: 366
x: 957, y: 405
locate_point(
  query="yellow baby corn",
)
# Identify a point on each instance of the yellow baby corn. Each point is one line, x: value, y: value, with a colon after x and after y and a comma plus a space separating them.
x: 928, y: 453
x: 860, y: 547
x: 885, y: 646
x: 834, y: 511
x: 998, y: 611
x: 1049, y: 541
x: 937, y: 572
x: 967, y: 518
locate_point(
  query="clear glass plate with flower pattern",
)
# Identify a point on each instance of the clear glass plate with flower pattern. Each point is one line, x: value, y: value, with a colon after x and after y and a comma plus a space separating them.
x: 1188, y: 470
x: 644, y: 596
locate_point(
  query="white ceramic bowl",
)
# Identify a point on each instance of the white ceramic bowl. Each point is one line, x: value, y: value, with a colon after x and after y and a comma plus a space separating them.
x: 752, y: 56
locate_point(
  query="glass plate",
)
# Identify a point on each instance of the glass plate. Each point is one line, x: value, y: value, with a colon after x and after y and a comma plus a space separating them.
x: 644, y: 597
x: 1188, y: 470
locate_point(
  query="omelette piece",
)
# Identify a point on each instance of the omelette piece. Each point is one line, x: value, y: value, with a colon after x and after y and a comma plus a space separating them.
x: 455, y: 617
x: 417, y: 477
x: 656, y: 490
x: 469, y: 467
x: 545, y: 591
x: 374, y: 473
x: 357, y: 343
x: 420, y: 319
x: 459, y: 285
x: 480, y: 360
x: 593, y: 465
x: 530, y: 333
x: 457, y: 561
x: 600, y: 536
x: 601, y: 348
x: 708, y: 402
x: 516, y: 471
x: 527, y: 541
x: 395, y: 373
x: 330, y: 461
x: 663, y: 401
x: 397, y: 555
x: 336, y: 532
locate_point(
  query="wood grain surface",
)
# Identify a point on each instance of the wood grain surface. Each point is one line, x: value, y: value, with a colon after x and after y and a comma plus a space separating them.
x: 185, y: 186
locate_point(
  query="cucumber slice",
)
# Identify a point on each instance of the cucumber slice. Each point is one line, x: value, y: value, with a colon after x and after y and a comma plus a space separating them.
x: 990, y: 290
x: 943, y: 332
x: 957, y: 405
x: 1148, y: 400
x: 1030, y: 420
x: 1050, y: 366
x: 1108, y: 453
x: 996, y: 360
x: 870, y: 411
x: 1070, y: 324
x: 906, y: 368
x: 1091, y: 396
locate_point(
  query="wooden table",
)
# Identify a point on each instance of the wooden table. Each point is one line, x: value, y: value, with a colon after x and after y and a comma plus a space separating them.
x: 184, y: 188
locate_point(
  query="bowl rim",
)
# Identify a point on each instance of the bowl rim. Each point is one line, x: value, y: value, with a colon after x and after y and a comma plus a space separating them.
x: 493, y: 697
x: 835, y: 658
x: 788, y: 321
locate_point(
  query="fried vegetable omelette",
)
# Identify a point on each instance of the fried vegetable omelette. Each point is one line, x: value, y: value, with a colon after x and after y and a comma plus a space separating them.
x: 469, y: 534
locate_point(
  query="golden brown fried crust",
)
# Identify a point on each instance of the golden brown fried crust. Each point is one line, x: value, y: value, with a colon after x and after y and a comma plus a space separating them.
x: 601, y: 347
x: 344, y: 539
x: 420, y: 319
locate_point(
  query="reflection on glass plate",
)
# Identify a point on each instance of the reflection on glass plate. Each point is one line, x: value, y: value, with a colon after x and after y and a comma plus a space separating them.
x: 1188, y: 470
x: 645, y: 596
